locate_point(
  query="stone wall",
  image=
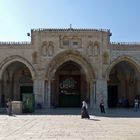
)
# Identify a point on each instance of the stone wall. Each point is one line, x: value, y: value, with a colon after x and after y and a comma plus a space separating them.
x: 49, y: 48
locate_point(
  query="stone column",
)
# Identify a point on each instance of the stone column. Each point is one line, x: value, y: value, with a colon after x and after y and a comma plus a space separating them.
x: 38, y: 86
x: 91, y: 91
x: 48, y: 93
x: 101, y: 91
x: 95, y: 95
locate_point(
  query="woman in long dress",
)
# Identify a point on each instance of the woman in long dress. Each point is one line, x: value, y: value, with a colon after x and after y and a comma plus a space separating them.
x: 84, y: 112
x: 9, y: 107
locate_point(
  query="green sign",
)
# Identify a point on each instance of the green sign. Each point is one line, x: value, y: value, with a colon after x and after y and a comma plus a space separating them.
x: 28, y: 102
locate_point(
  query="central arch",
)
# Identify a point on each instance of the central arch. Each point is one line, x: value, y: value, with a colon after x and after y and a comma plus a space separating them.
x: 70, y: 86
x: 70, y: 55
x: 65, y: 69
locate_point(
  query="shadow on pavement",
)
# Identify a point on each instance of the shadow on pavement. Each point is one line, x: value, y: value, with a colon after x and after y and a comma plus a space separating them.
x: 115, y: 112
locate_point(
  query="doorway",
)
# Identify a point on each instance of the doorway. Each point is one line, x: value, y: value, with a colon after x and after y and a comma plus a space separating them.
x: 25, y: 90
x: 69, y: 88
x: 69, y: 91
x: 112, y: 96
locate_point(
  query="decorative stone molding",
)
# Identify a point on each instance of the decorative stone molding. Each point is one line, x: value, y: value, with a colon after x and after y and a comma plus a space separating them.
x: 105, y: 58
x: 72, y: 41
x: 15, y: 43
x: 70, y: 29
x: 34, y: 57
x: 47, y: 49
x: 44, y: 48
x: 76, y: 42
x: 124, y: 46
x: 96, y: 48
x: 50, y: 49
x: 92, y: 49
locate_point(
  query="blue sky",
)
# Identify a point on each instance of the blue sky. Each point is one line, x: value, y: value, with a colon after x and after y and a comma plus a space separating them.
x: 122, y: 17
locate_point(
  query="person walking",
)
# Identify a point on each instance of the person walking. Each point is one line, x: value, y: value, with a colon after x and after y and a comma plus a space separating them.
x: 102, y: 106
x: 84, y: 112
x: 9, y: 107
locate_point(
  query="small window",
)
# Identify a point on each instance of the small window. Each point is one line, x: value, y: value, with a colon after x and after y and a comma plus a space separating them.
x: 75, y: 43
x: 66, y: 43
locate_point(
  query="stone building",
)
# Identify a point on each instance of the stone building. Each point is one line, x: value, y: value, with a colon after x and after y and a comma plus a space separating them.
x: 63, y: 67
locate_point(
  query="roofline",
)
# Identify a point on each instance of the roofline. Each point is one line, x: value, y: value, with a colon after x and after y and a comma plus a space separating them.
x: 69, y: 29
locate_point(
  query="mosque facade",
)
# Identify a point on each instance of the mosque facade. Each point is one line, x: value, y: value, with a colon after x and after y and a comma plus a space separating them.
x: 63, y: 67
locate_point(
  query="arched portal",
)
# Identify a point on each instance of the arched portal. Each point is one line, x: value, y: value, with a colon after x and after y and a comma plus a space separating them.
x: 16, y: 80
x: 123, y: 84
x: 70, y: 86
x: 69, y: 67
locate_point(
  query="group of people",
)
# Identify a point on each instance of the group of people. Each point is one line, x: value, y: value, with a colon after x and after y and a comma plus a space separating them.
x: 84, y: 111
x: 85, y: 114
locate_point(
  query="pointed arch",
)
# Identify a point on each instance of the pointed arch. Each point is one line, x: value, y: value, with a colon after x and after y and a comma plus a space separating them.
x: 70, y: 55
x: 120, y: 59
x: 7, y: 61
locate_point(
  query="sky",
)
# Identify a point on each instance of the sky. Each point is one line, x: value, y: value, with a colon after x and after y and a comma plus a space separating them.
x: 18, y: 17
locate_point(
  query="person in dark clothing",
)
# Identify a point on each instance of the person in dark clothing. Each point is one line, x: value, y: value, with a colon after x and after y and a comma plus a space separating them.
x: 102, y: 106
x: 84, y: 112
x: 9, y: 106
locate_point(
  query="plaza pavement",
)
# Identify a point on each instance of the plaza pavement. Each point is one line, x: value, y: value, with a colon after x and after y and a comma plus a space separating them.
x: 66, y: 124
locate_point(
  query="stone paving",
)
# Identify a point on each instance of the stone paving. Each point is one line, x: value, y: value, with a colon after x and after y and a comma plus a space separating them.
x: 66, y: 124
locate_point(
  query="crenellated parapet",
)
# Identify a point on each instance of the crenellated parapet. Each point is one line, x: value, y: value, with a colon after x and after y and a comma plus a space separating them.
x: 23, y: 44
x: 15, y: 43
x: 125, y: 43
x: 125, y: 46
x: 69, y: 29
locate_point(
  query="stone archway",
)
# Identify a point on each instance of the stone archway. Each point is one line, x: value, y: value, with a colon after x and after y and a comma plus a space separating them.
x: 120, y: 59
x: 70, y: 55
x: 16, y: 77
x: 65, y: 59
x: 123, y: 83
x: 69, y: 86
x: 7, y: 61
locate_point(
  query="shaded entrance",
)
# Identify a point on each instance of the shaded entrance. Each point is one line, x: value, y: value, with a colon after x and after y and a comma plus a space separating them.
x: 69, y: 91
x: 16, y: 79
x: 26, y: 90
x: 123, y: 85
x: 69, y: 87
x: 112, y: 96
x: 27, y: 96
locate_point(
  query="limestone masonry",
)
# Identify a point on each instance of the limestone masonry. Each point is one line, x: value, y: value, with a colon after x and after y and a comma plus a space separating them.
x: 63, y: 67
